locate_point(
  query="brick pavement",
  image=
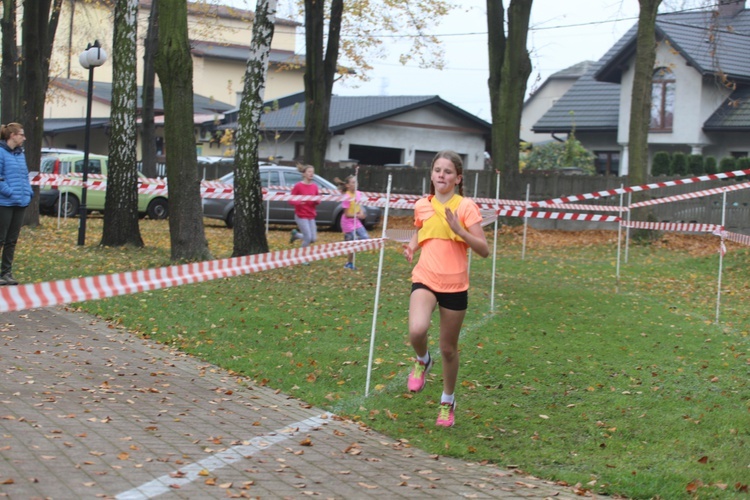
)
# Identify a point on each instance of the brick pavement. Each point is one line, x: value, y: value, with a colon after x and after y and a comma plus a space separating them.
x: 91, y: 411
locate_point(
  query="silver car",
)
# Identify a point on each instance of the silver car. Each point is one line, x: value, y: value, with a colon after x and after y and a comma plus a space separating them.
x: 281, y: 212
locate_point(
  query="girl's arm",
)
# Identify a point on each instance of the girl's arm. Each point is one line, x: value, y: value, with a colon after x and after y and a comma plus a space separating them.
x: 473, y: 235
x: 317, y: 192
x: 295, y: 191
x: 411, y: 248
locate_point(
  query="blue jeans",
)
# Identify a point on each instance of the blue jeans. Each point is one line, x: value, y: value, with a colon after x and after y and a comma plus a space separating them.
x: 358, y: 234
x: 309, y: 230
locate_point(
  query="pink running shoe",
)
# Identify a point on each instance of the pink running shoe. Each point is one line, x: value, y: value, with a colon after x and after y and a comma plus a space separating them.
x: 446, y: 415
x: 416, y: 379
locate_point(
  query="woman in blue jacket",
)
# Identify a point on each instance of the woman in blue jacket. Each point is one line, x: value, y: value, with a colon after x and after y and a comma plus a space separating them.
x: 15, y: 195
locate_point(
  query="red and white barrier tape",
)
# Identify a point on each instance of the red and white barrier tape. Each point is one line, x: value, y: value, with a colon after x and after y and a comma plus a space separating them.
x: 671, y: 226
x: 563, y: 206
x: 400, y: 235
x: 558, y: 215
x: 405, y: 235
x: 51, y: 293
x: 742, y: 239
x: 695, y: 194
x: 644, y: 187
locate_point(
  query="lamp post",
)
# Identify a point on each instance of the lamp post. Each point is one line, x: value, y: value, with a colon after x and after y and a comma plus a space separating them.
x: 90, y: 58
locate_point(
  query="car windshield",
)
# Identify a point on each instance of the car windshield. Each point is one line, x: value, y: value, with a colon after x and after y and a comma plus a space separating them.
x: 292, y: 178
x: 48, y: 165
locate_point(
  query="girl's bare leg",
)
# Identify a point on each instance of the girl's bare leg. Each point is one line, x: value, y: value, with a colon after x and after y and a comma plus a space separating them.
x: 421, y: 304
x: 450, y: 328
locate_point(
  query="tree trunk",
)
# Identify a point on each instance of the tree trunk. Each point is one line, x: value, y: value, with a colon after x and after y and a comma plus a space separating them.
x: 39, y: 25
x: 10, y: 110
x: 175, y: 69
x: 320, y: 71
x: 496, y: 42
x: 148, y: 129
x: 516, y: 69
x: 249, y: 223
x: 121, y: 203
x: 640, y: 105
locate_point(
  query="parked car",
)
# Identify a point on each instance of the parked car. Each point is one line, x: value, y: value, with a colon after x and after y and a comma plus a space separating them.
x: 51, y: 151
x: 281, y: 212
x: 153, y: 205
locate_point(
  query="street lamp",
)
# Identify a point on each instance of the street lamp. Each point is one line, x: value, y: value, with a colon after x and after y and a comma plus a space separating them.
x: 90, y: 58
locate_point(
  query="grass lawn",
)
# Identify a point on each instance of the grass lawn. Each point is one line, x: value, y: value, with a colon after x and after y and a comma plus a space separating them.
x: 626, y: 388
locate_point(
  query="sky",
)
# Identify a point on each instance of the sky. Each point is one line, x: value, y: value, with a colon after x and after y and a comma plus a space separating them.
x: 562, y: 33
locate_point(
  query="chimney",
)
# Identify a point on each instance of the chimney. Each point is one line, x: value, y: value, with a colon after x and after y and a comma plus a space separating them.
x: 728, y: 8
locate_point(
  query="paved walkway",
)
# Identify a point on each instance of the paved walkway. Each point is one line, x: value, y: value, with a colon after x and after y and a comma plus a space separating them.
x: 91, y: 411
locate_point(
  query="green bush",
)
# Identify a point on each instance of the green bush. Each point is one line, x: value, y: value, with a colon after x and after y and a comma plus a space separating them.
x: 660, y: 164
x: 545, y: 157
x: 695, y: 164
x: 679, y: 164
x: 743, y: 163
x: 710, y: 165
x: 554, y: 155
x: 727, y: 164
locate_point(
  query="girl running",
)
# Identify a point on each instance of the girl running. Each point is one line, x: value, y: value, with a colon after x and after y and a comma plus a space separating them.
x: 448, y: 224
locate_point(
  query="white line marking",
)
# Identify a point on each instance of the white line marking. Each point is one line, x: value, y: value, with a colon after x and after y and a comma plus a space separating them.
x: 189, y: 473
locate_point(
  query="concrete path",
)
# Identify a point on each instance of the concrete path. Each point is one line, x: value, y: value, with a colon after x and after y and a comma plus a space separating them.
x: 91, y: 411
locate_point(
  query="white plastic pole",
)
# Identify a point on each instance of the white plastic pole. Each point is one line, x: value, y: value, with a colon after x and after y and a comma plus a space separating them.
x: 356, y: 187
x: 494, y: 246
x: 619, y: 246
x: 627, y: 229
x: 721, y: 253
x: 377, y: 288
x: 525, y: 223
x: 268, y: 212
x: 59, y: 208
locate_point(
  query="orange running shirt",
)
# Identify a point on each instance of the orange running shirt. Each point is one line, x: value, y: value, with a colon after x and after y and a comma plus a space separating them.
x: 443, y: 264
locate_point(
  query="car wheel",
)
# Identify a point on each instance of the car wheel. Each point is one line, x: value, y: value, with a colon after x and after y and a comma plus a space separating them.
x: 70, y: 205
x: 158, y: 209
x: 336, y: 226
x: 230, y: 219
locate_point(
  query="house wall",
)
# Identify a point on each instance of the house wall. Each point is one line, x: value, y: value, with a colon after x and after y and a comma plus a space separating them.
x: 688, y: 118
x: 281, y: 148
x: 538, y: 104
x: 70, y: 105
x: 426, y: 129
x: 91, y: 21
x: 223, y: 80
